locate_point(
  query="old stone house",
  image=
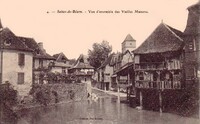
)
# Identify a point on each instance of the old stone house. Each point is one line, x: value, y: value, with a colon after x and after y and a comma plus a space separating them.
x: 16, y: 60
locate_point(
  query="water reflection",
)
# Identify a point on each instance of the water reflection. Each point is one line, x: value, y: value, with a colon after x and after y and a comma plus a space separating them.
x: 103, y: 111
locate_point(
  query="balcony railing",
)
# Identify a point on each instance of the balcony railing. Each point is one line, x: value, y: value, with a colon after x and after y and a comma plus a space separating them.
x: 158, y: 84
x: 158, y: 66
x: 152, y: 66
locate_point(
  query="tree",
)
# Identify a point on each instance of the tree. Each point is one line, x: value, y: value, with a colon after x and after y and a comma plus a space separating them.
x: 99, y: 53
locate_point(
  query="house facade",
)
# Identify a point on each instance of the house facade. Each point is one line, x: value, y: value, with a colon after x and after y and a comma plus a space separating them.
x: 105, y: 71
x: 41, y: 59
x: 16, y: 61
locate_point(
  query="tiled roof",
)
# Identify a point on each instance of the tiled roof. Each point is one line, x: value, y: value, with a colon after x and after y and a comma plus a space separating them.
x: 82, y: 65
x: 82, y: 62
x: 163, y: 39
x: 38, y: 53
x: 8, y: 40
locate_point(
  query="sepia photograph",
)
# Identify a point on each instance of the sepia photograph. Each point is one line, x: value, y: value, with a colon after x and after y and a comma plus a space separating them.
x: 99, y: 62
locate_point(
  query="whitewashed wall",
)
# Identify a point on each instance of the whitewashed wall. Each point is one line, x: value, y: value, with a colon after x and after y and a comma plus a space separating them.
x: 11, y: 70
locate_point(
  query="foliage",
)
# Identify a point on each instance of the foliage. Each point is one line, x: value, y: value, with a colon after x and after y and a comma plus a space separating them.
x: 8, y: 96
x: 41, y: 94
x: 99, y: 53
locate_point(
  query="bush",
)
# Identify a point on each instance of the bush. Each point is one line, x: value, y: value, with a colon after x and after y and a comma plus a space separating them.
x: 8, y: 96
x: 41, y: 94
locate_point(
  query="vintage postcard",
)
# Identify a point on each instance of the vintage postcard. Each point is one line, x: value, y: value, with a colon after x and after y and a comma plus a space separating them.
x: 99, y: 62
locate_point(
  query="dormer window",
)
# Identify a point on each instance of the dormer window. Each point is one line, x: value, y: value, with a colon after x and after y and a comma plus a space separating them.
x: 7, y: 42
x: 37, y: 52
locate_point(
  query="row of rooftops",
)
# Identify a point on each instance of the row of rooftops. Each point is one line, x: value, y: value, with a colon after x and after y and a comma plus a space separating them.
x: 9, y: 41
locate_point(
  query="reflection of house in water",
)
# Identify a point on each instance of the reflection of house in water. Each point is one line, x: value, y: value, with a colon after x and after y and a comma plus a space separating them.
x: 61, y: 64
x: 15, y: 62
x: 82, y: 70
x: 41, y: 59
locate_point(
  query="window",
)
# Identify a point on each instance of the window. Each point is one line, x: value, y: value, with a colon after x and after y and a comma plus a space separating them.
x: 20, y: 79
x: 40, y: 63
x: 141, y: 76
x: 21, y: 59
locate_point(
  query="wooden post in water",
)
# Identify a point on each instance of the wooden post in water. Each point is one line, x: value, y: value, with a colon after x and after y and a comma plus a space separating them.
x: 160, y: 100
x: 118, y: 96
x: 141, y: 104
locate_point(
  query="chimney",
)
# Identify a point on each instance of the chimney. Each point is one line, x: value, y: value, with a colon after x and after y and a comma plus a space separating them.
x: 40, y: 44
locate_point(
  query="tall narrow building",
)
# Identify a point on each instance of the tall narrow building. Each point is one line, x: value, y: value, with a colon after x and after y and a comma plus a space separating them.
x: 192, y: 45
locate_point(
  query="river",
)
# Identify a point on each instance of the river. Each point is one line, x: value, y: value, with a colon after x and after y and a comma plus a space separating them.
x: 104, y: 110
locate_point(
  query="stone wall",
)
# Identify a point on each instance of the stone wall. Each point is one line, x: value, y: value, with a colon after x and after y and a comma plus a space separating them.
x: 61, y: 92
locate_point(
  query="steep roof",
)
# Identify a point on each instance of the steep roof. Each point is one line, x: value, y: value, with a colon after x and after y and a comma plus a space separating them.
x: 60, y: 56
x: 83, y: 58
x: 38, y: 53
x: 8, y: 40
x: 128, y: 38
x: 82, y: 62
x: 163, y: 39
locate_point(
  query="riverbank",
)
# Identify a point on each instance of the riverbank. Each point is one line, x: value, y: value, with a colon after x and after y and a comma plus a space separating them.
x: 122, y: 95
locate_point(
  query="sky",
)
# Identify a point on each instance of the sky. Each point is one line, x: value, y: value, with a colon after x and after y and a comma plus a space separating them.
x: 74, y: 33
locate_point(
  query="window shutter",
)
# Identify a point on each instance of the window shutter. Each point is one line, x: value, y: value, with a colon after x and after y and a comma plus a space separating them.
x: 21, y: 59
x: 20, y: 78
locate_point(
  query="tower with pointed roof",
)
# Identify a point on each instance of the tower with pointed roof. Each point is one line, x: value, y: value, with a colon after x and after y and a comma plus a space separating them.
x: 128, y: 44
